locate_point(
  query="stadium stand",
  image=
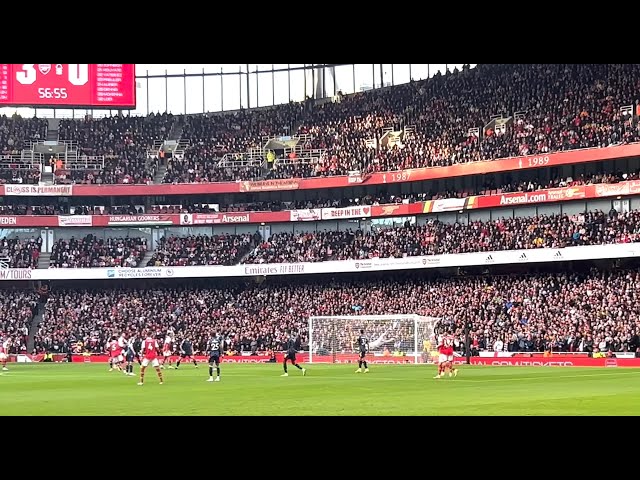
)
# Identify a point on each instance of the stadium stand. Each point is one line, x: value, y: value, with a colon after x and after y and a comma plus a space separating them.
x: 91, y: 252
x: 55, y: 207
x: 557, y: 312
x: 437, y: 238
x: 492, y: 111
x: 201, y: 250
x: 433, y: 238
x: 123, y: 141
x: 18, y: 309
x: 18, y: 253
x: 15, y: 133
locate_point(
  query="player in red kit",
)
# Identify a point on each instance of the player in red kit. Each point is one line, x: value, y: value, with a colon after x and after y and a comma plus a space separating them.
x: 4, y: 353
x: 445, y: 356
x: 115, y: 354
x: 167, y: 349
x: 149, y: 352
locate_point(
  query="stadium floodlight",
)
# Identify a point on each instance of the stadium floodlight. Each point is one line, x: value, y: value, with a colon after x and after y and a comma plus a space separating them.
x: 333, y: 339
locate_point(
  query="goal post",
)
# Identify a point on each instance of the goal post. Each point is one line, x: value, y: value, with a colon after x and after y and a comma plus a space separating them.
x: 408, y: 337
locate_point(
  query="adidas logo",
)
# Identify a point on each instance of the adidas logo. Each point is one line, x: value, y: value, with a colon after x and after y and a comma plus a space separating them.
x: 558, y: 254
x: 523, y: 257
x: 489, y: 259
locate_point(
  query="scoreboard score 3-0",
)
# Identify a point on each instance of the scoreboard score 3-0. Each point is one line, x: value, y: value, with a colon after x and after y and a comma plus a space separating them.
x: 67, y: 85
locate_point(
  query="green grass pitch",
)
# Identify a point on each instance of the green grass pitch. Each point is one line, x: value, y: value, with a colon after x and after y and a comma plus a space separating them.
x: 83, y: 389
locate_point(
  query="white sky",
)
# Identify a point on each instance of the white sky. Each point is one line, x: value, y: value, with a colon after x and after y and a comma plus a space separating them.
x: 229, y: 92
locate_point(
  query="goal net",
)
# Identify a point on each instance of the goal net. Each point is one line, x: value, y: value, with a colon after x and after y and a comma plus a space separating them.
x: 396, y: 338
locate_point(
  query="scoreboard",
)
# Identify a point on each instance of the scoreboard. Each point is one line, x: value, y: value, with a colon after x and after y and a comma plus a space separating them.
x: 68, y: 85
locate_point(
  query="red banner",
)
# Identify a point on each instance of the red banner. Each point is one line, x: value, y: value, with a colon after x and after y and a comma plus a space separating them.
x: 396, y: 210
x: 556, y: 361
x: 38, y: 190
x: 415, y: 175
x: 269, y: 185
x: 174, y: 359
x: 559, y: 361
x: 106, y: 220
x: 540, y: 196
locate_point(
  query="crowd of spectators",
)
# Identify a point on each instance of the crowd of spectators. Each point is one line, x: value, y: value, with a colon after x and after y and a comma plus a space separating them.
x: 201, y: 250
x: 18, y: 174
x: 64, y: 208
x: 559, y: 107
x: 15, y: 131
x: 553, y: 107
x: 19, y: 252
x: 438, y: 238
x: 18, y: 309
x: 212, y: 137
x: 124, y: 141
x: 92, y: 252
x: 558, y: 312
x: 432, y: 238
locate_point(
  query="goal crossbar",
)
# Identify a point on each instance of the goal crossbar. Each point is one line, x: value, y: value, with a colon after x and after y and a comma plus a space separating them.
x: 331, y: 338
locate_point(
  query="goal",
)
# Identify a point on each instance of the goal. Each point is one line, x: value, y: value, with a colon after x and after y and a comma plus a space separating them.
x: 402, y: 338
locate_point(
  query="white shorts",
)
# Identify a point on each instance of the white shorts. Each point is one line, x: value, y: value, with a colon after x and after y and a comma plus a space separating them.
x: 154, y: 363
x: 3, y: 357
x: 450, y: 358
x: 166, y: 353
x: 442, y: 358
x: 117, y: 359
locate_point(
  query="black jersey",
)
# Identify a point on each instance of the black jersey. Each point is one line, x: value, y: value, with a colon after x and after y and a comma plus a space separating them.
x: 292, y: 345
x: 187, y: 347
x: 215, y: 346
x: 363, y: 343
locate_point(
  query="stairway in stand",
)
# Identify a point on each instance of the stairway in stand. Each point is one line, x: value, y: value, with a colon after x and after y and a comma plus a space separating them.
x: 146, y: 259
x: 35, y: 325
x: 44, y: 261
x: 159, y: 176
x: 53, y: 125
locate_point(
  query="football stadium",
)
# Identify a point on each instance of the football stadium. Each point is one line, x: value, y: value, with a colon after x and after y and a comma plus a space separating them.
x: 319, y: 239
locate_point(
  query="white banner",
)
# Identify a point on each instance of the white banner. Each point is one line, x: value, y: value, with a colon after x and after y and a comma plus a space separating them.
x: 75, y: 221
x: 348, y: 212
x: 308, y: 215
x: 626, y: 250
x: 39, y: 190
x: 449, y: 205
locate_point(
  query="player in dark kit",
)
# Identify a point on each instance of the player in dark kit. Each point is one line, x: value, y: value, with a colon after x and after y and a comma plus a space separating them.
x: 291, y: 356
x: 363, y: 346
x: 131, y: 354
x: 215, y: 348
x: 186, y: 352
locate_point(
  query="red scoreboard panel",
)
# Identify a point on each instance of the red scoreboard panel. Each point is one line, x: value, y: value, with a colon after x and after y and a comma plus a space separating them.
x: 95, y: 85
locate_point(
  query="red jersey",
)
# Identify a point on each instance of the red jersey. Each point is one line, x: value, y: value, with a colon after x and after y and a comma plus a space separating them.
x: 115, y: 349
x: 150, y: 348
x: 445, y: 346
